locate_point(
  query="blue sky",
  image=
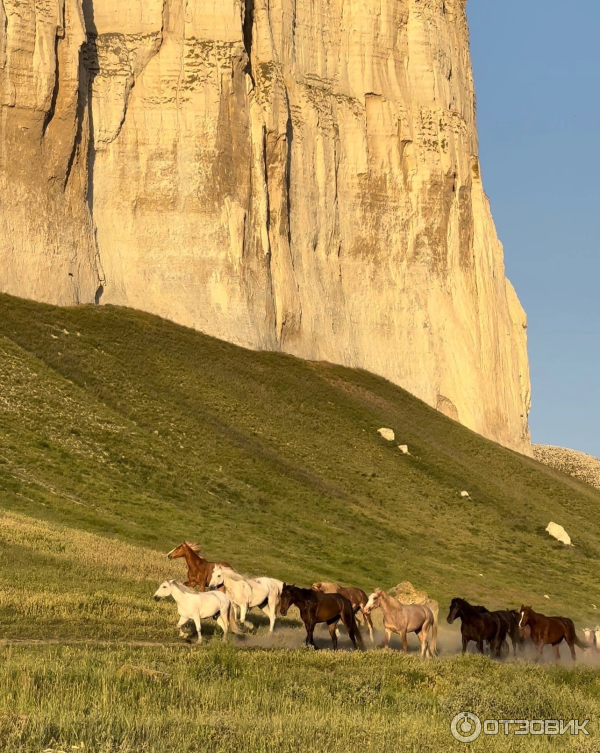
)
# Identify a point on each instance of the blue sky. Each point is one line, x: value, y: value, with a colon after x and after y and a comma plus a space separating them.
x: 537, y: 71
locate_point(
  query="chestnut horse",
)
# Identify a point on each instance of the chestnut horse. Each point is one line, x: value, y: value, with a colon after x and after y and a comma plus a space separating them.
x: 479, y: 625
x: 199, y: 570
x: 316, y: 607
x: 550, y: 630
x: 356, y: 596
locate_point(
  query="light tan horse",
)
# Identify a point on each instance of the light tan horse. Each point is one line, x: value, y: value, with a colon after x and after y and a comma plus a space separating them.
x: 405, y: 618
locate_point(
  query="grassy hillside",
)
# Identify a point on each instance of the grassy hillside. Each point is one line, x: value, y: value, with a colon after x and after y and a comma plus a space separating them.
x: 121, y: 424
x: 122, y: 434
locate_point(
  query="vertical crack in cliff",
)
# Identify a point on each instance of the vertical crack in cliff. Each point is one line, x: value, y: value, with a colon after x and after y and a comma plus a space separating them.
x: 89, y: 69
x: 248, y: 31
x: 79, y: 118
x: 52, y: 109
x: 3, y: 34
x: 267, y: 197
x: 289, y: 137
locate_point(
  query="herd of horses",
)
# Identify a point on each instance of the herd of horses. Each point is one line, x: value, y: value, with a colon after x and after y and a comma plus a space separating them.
x: 226, y: 596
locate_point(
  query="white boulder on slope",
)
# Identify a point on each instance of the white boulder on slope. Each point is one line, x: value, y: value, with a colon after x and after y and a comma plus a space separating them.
x: 559, y: 533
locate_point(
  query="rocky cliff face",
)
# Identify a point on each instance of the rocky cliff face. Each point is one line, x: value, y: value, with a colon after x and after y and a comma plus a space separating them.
x: 298, y: 175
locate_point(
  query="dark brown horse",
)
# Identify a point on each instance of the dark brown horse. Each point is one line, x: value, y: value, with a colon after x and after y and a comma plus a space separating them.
x: 510, y: 620
x: 479, y: 625
x: 316, y: 607
x: 519, y: 636
x: 550, y: 630
x: 356, y: 596
x: 199, y: 570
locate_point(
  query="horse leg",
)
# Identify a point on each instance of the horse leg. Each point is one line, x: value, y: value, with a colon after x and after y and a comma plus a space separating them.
x: 243, y: 610
x: 180, y: 624
x: 572, y: 649
x: 223, y: 623
x: 388, y: 635
x: 198, y: 628
x: 480, y: 645
x: 424, y: 642
x: 556, y: 650
x: 310, y: 636
x: 367, y: 619
x: 333, y: 634
x: 404, y: 641
x: 272, y: 612
x: 465, y: 643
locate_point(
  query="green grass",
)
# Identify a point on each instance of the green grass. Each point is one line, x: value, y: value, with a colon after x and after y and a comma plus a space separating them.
x: 122, y: 434
x: 225, y: 700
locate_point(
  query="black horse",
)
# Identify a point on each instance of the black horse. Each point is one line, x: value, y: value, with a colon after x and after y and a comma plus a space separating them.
x: 510, y: 619
x: 317, y: 607
x: 478, y: 625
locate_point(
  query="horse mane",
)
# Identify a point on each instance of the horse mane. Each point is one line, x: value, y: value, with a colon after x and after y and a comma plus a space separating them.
x: 232, y: 575
x: 306, y: 592
x: 184, y: 588
x: 194, y: 547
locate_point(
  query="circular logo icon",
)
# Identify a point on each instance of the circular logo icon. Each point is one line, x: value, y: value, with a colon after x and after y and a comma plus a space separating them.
x: 466, y: 727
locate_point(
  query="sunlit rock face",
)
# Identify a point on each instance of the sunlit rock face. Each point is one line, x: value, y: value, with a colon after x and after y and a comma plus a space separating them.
x: 47, y: 248
x: 296, y: 175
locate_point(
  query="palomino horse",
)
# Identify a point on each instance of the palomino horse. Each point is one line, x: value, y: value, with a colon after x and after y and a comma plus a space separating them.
x: 550, y: 630
x: 479, y: 625
x: 194, y: 606
x: 246, y: 593
x: 199, y: 569
x: 316, y: 607
x: 356, y: 596
x: 405, y: 618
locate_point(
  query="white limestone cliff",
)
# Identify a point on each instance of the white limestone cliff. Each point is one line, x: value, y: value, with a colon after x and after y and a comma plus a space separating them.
x: 296, y: 175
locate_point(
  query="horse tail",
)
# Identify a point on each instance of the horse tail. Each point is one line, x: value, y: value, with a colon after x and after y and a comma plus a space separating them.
x: 570, y: 628
x: 351, y: 624
x: 434, y: 633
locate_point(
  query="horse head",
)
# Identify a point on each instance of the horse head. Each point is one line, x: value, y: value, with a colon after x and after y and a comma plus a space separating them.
x: 164, y: 590
x: 216, y: 579
x: 184, y: 550
x: 524, y: 616
x: 374, y: 601
x: 288, y: 597
x: 318, y: 587
x: 179, y: 551
x: 455, y: 610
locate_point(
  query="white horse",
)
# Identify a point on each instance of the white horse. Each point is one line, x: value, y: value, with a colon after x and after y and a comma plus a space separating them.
x: 195, y: 606
x: 247, y: 593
